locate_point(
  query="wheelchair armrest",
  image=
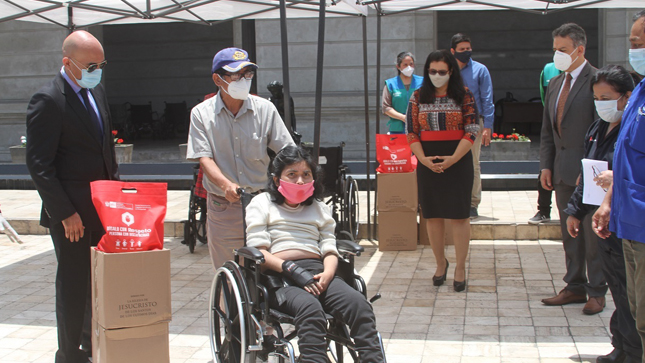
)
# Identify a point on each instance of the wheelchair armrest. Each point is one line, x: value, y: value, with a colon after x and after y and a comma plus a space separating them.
x: 251, y: 253
x: 350, y: 247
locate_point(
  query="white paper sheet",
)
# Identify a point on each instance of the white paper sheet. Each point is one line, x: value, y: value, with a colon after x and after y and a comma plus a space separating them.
x: 592, y: 193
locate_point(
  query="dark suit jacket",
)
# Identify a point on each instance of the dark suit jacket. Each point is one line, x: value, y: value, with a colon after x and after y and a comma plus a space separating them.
x: 562, y: 153
x: 64, y: 153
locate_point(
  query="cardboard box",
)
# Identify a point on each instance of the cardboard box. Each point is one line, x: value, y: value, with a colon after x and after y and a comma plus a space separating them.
x: 142, y: 344
x: 397, y: 192
x: 397, y: 231
x: 130, y: 289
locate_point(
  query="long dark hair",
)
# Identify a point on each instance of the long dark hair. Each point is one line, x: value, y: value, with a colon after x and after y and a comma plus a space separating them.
x: 616, y: 76
x: 456, y: 89
x: 288, y: 156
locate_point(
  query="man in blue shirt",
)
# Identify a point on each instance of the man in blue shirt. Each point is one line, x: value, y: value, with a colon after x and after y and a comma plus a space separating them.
x: 623, y: 209
x: 477, y: 78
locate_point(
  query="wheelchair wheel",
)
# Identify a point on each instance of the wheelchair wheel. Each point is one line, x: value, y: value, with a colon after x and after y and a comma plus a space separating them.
x: 229, y: 317
x: 351, y: 214
x: 195, y: 227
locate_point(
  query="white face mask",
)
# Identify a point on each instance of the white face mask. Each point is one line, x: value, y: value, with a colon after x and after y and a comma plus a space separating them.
x: 562, y: 60
x: 637, y: 60
x: 238, y: 89
x: 608, y: 110
x: 408, y: 71
x: 439, y: 81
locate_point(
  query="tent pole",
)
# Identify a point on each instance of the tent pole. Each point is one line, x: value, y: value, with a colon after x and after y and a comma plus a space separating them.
x: 378, y: 96
x: 285, y: 65
x: 319, y: 79
x: 367, y: 125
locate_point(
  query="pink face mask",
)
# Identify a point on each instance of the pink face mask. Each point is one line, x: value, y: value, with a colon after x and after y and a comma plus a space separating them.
x: 296, y: 193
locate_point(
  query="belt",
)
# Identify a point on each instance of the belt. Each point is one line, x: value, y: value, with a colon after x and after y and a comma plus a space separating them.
x: 447, y: 135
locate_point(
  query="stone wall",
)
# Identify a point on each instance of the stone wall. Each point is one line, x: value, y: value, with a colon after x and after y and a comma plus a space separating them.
x: 616, y: 24
x: 31, y: 55
x: 343, y: 116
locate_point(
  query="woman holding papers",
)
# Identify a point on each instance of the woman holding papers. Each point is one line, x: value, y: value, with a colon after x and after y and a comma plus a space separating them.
x: 612, y: 85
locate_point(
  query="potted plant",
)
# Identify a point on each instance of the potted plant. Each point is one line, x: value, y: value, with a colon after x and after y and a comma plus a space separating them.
x: 19, y: 152
x: 123, y: 151
x: 509, y: 147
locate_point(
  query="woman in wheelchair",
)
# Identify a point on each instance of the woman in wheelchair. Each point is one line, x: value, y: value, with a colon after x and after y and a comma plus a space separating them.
x: 294, y: 230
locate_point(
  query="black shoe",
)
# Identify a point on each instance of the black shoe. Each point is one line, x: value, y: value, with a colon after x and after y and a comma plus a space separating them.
x: 439, y: 280
x: 473, y: 212
x: 268, y: 346
x: 616, y: 356
x: 459, y: 285
x: 539, y: 218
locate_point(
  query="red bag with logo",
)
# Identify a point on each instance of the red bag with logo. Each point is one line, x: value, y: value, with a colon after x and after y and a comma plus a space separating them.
x: 132, y: 215
x: 393, y: 154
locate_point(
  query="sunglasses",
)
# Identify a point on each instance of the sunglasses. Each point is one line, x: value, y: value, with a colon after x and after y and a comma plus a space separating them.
x: 92, y: 66
x: 442, y: 72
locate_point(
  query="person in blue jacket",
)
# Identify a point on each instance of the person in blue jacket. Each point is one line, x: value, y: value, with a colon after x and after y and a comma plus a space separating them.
x: 397, y: 92
x: 612, y: 86
x: 623, y: 209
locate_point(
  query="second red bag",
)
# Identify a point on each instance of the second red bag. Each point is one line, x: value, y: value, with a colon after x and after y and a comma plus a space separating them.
x: 393, y: 154
x: 132, y: 215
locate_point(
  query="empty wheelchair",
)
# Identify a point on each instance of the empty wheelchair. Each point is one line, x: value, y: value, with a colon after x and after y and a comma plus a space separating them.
x: 195, y: 225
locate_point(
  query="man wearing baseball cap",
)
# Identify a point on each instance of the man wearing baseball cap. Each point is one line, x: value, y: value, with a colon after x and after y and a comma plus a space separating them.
x: 229, y: 136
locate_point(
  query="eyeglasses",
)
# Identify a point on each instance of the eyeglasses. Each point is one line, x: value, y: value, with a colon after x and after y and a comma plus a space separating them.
x: 442, y: 72
x: 236, y: 76
x: 92, y: 66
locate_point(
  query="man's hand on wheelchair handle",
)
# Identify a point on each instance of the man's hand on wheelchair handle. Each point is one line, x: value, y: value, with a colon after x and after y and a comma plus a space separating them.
x: 231, y: 194
x: 300, y: 276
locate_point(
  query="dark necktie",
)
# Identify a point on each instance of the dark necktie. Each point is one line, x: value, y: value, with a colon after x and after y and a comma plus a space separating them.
x: 562, y: 102
x: 93, y: 116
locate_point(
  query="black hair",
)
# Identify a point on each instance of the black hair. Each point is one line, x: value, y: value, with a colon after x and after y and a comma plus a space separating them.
x: 459, y: 38
x: 616, y: 76
x: 638, y: 15
x: 290, y: 155
x: 456, y: 89
x: 573, y: 31
x: 401, y: 57
x: 221, y: 71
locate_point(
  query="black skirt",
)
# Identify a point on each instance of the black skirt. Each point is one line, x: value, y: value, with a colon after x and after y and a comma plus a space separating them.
x: 448, y: 194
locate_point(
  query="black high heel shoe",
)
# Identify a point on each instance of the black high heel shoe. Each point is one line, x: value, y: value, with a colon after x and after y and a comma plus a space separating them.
x: 459, y: 285
x: 439, y: 280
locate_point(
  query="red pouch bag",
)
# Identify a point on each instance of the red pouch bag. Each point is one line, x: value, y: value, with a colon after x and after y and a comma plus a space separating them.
x: 132, y: 215
x: 393, y: 154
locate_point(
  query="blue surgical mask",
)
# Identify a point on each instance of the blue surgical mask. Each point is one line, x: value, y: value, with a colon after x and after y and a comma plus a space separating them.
x: 88, y: 79
x: 637, y: 60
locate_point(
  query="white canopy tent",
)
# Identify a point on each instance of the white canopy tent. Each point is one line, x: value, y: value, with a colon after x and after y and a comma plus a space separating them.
x: 389, y: 7
x: 85, y: 13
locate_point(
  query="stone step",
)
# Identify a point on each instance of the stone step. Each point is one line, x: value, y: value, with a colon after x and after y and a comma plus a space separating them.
x: 479, y: 230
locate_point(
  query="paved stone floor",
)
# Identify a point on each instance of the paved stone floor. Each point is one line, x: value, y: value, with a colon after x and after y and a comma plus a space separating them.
x: 498, y: 319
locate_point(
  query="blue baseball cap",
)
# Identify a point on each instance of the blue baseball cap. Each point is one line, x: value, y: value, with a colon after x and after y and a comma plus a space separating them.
x: 232, y: 60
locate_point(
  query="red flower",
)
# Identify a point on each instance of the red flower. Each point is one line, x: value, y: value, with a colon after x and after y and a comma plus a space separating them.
x: 516, y: 137
x: 501, y: 136
x: 494, y: 135
x: 114, y: 132
x: 119, y: 141
x: 509, y: 137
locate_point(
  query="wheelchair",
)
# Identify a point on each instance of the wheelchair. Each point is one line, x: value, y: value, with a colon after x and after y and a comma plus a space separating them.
x: 195, y: 225
x: 342, y: 191
x: 239, y: 312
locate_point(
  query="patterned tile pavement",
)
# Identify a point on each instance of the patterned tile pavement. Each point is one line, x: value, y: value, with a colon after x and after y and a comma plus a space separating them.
x: 499, y: 319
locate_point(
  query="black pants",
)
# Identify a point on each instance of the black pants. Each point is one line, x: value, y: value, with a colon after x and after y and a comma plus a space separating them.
x: 544, y: 199
x: 622, y: 324
x: 339, y: 300
x: 73, y: 295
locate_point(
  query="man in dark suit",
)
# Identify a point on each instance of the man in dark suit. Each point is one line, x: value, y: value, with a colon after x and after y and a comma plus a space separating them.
x: 568, y: 111
x: 69, y: 144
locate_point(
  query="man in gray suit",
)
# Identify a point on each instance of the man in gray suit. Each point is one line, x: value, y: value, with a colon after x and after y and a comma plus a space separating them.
x: 568, y: 112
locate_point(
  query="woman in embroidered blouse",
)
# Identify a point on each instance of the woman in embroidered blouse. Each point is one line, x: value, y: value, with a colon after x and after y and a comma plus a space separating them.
x: 294, y: 230
x: 441, y: 126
